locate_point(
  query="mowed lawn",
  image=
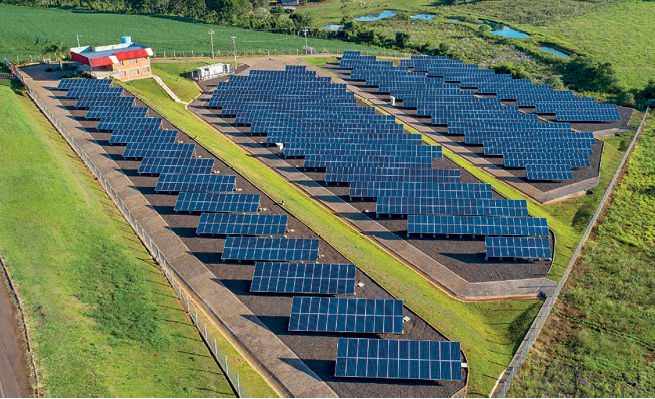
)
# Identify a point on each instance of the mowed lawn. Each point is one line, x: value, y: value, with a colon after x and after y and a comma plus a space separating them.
x: 599, y: 340
x: 490, y: 332
x: 621, y: 34
x: 101, y: 317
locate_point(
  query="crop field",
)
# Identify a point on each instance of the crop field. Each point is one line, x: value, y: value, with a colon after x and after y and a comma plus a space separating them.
x: 101, y: 317
x: 598, y: 341
x: 24, y: 31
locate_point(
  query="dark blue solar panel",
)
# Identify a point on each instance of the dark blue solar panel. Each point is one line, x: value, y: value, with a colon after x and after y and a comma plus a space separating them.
x: 477, y: 225
x: 304, y: 278
x: 217, y: 202
x: 177, y: 182
x: 272, y: 249
x: 518, y: 247
x: 176, y: 165
x: 398, y: 359
x: 242, y: 224
x: 363, y: 315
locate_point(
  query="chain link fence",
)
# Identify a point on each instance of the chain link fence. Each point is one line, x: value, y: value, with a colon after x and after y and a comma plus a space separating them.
x: 176, y: 282
x: 507, y: 377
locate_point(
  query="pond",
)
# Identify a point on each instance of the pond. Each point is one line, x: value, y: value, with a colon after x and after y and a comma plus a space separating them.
x: 426, y: 17
x: 332, y: 27
x: 552, y: 50
x: 453, y: 20
x: 377, y: 16
x: 504, y: 31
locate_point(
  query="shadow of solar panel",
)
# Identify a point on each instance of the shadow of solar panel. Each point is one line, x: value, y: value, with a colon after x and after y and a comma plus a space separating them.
x: 518, y: 247
x: 272, y: 249
x: 217, y: 202
x: 477, y: 225
x: 398, y: 359
x: 240, y: 224
x: 362, y: 315
x: 177, y: 182
x: 176, y: 165
x: 304, y: 278
x: 170, y: 150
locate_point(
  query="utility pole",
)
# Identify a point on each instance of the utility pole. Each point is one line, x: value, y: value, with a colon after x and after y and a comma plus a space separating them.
x: 211, y: 34
x: 78, y: 40
x: 234, y: 47
x: 305, y: 40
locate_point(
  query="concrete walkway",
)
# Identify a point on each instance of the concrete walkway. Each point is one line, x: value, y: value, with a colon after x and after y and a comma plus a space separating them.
x: 286, y: 373
x: 419, y: 261
x: 168, y: 91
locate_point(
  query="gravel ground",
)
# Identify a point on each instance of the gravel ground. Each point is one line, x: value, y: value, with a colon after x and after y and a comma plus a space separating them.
x: 318, y: 351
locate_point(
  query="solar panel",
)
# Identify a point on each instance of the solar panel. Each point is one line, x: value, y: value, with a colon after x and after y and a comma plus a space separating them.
x: 518, y: 247
x: 157, y: 166
x: 176, y: 182
x: 398, y: 359
x: 217, y: 202
x: 242, y: 224
x: 362, y: 315
x: 548, y: 172
x: 477, y: 225
x: 272, y: 249
x: 126, y: 136
x: 169, y: 150
x: 304, y: 278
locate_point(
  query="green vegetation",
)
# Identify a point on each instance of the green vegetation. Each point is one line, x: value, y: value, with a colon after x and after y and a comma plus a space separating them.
x: 174, y: 75
x: 26, y: 31
x: 101, y: 317
x: 490, y: 331
x: 598, y: 342
x: 618, y: 34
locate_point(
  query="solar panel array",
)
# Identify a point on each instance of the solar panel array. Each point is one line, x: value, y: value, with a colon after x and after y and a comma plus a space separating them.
x: 438, y: 203
x: 225, y: 212
x: 353, y: 315
x: 304, y: 278
x: 398, y: 359
x: 486, y: 120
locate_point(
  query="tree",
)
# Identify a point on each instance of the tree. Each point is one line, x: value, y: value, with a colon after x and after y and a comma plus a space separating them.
x: 626, y: 99
x: 589, y: 74
x: 301, y: 20
x: 59, y: 50
x: 484, y: 30
x: 402, y: 39
x: 555, y: 82
x: 517, y: 71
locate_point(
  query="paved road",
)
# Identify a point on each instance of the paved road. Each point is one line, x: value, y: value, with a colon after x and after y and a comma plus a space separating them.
x: 14, y: 374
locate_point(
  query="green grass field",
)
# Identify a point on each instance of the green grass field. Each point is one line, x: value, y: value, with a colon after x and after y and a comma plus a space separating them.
x: 24, y: 31
x: 599, y: 340
x: 490, y: 331
x: 102, y: 319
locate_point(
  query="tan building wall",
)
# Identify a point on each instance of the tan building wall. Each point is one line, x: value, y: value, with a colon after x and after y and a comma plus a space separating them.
x: 133, y: 69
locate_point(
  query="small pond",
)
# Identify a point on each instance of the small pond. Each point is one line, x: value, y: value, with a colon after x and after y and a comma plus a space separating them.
x: 376, y: 16
x: 504, y: 31
x: 426, y: 17
x: 332, y: 27
x: 453, y: 20
x: 552, y: 50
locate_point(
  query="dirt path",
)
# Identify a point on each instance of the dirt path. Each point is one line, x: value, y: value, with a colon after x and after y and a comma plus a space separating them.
x: 14, y: 374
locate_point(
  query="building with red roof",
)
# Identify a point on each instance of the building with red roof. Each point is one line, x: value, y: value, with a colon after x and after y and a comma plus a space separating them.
x: 124, y: 61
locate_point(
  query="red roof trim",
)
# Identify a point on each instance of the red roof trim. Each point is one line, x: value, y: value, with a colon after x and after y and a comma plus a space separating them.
x: 131, y: 54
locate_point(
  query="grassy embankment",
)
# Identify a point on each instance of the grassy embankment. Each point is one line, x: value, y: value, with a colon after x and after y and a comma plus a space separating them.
x: 599, y: 340
x: 25, y: 31
x: 490, y: 331
x: 102, y: 319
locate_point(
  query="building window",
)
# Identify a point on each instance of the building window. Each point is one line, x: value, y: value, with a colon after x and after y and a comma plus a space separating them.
x: 123, y: 74
x: 134, y: 72
x: 145, y: 70
x: 134, y: 61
